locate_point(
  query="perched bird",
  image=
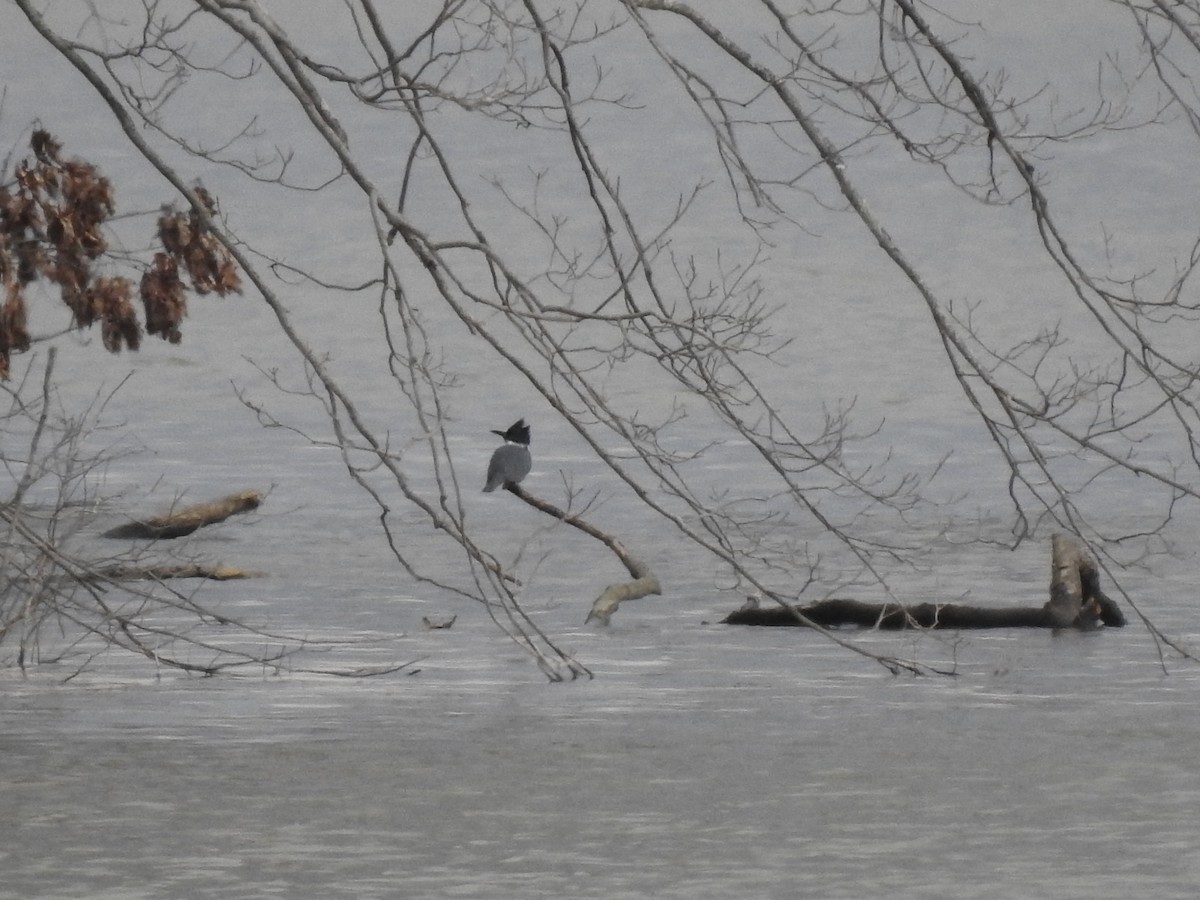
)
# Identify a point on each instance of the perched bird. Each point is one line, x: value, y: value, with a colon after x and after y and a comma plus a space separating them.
x: 511, y: 462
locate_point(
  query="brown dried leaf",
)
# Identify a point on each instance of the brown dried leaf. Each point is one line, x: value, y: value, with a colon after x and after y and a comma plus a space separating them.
x: 87, y: 193
x: 174, y: 231
x: 45, y: 147
x: 13, y: 333
x: 109, y: 300
x: 164, y: 299
x: 208, y: 264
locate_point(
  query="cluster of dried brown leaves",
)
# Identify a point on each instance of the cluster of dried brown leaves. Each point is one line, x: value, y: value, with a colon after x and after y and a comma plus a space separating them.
x: 52, y: 215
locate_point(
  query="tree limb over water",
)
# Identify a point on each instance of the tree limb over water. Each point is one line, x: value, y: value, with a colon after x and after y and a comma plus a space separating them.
x: 628, y: 214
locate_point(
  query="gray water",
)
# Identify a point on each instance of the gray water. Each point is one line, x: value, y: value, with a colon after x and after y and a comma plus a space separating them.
x: 700, y: 761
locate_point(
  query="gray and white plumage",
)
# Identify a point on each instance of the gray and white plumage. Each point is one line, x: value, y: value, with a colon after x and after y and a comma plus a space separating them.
x: 511, y: 462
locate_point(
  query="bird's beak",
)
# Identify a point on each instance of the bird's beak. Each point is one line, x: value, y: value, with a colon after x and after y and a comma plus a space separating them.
x: 501, y: 433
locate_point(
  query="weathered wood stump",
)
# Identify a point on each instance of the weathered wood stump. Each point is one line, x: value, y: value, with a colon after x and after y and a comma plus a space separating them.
x: 178, y: 523
x: 1076, y: 601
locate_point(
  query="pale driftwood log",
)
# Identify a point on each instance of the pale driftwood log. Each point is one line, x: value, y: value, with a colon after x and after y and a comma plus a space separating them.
x: 1076, y: 601
x: 178, y: 523
x: 644, y: 582
x: 161, y: 573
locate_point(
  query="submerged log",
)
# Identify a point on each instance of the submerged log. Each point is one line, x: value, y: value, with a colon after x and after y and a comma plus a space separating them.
x: 159, y: 573
x: 1076, y: 601
x: 893, y: 616
x: 178, y: 523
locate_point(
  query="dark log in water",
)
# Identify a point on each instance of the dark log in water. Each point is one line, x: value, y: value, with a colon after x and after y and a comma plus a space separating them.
x: 1076, y: 601
x: 178, y: 523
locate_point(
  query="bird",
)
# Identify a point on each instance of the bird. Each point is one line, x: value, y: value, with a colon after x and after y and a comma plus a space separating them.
x: 511, y: 462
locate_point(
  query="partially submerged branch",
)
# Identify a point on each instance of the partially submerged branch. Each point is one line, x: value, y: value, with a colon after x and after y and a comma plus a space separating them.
x: 178, y: 523
x: 162, y: 573
x: 644, y: 581
x: 1076, y: 601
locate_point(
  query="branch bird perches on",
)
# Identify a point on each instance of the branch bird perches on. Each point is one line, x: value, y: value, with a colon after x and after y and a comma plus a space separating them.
x: 644, y: 581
